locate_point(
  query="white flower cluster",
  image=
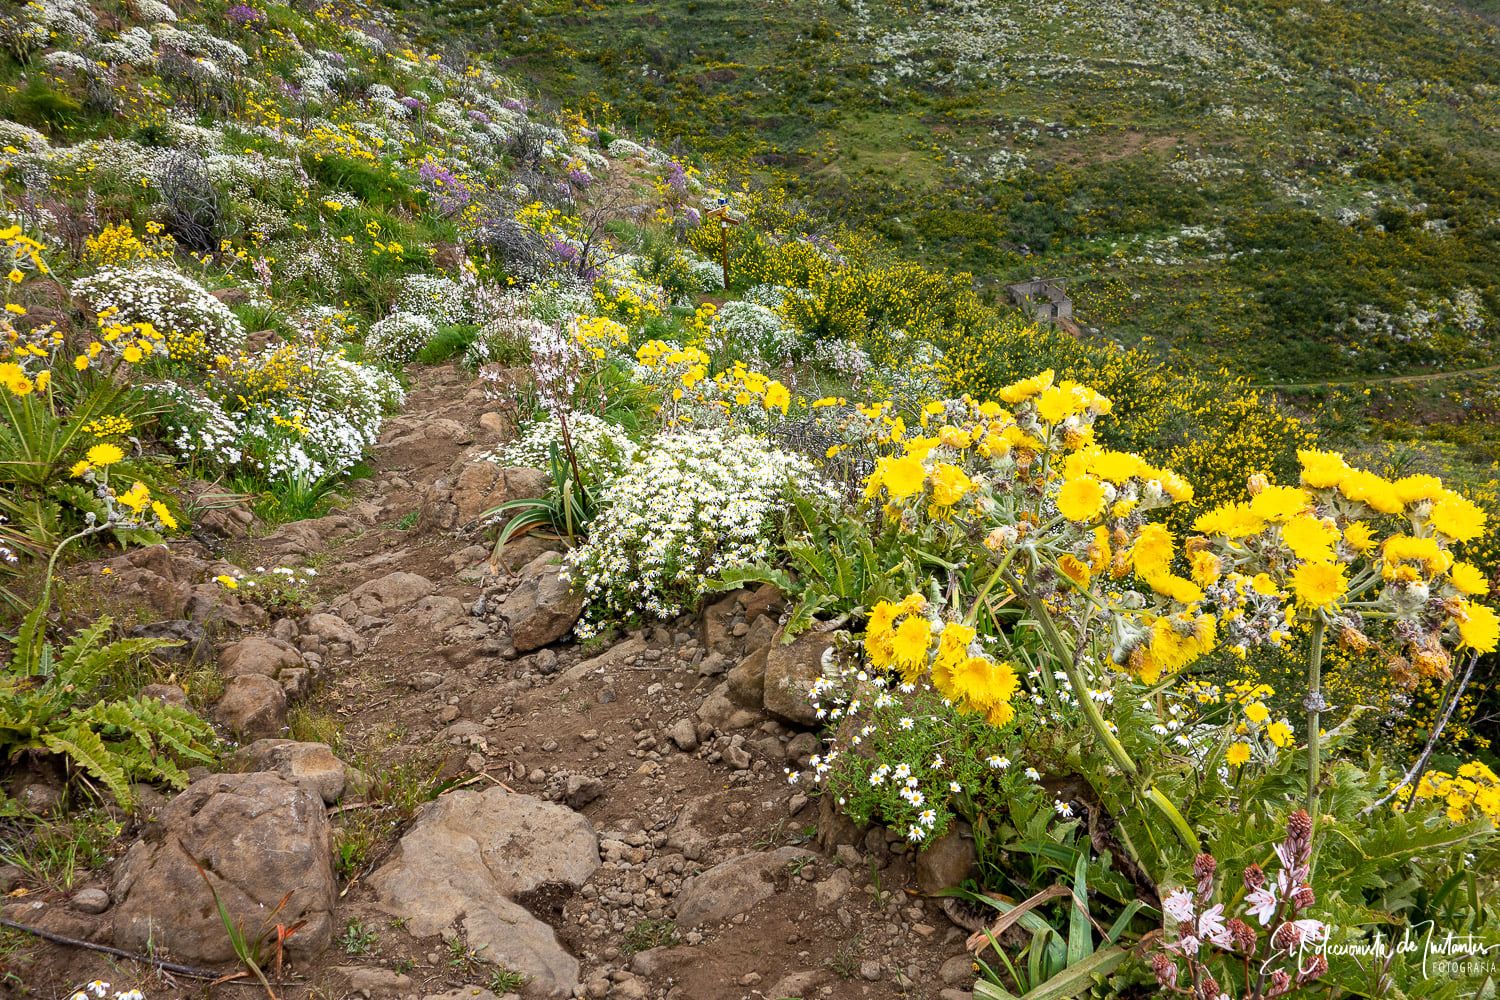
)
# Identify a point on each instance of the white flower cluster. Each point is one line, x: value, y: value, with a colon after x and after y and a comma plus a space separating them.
x: 167, y: 299
x: 437, y: 297
x: 602, y: 449
x: 399, y: 337
x: 694, y: 505
x: 752, y: 333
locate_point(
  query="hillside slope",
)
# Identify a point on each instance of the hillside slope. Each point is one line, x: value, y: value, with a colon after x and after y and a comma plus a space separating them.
x: 1301, y: 192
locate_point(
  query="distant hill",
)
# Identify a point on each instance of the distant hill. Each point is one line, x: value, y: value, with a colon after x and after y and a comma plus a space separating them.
x: 1300, y: 190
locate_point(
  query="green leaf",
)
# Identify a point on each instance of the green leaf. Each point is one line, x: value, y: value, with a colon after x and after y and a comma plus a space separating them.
x: 85, y: 749
x: 1080, y: 934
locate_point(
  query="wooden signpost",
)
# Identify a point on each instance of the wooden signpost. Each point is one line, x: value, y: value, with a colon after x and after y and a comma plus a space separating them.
x: 725, y: 221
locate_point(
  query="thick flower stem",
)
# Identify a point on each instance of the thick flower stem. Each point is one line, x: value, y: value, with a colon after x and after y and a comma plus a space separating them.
x: 1314, y: 704
x: 1081, y: 689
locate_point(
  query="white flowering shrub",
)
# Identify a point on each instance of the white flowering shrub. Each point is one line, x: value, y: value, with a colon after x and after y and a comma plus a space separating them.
x: 399, y: 337
x: 601, y: 448
x: 694, y: 505
x: 437, y: 297
x: 193, y: 322
x: 304, y: 412
x: 751, y: 333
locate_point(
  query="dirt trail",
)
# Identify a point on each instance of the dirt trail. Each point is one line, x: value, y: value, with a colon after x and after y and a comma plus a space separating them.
x: 674, y: 779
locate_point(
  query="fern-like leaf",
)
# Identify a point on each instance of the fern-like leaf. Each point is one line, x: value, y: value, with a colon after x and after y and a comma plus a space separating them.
x: 86, y: 750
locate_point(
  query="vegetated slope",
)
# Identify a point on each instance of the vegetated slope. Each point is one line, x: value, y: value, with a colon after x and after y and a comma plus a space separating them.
x: 1302, y: 191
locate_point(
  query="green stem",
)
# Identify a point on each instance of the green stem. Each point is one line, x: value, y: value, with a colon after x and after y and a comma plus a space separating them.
x: 1314, y: 704
x: 1081, y: 689
x: 989, y: 586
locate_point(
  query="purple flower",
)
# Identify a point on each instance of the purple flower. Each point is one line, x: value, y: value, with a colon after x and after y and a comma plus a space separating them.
x: 677, y: 177
x: 479, y: 116
x: 244, y: 15
x: 580, y: 178
x: 452, y: 193
x: 513, y: 104
x: 412, y: 103
x: 693, y: 216
x: 564, y: 251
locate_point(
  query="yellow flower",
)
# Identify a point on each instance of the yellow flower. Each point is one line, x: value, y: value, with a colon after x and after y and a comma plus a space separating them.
x: 104, y: 454
x: 229, y: 582
x: 1257, y: 712
x: 1279, y: 503
x: 1322, y: 469
x: 1081, y: 499
x: 132, y: 354
x: 1238, y: 754
x: 910, y: 643
x: 1415, y: 489
x: 1152, y: 553
x: 1372, y: 491
x: 164, y: 515
x: 1280, y: 734
x: 1468, y: 579
x: 1175, y: 587
x: 1318, y: 584
x: 136, y: 498
x: 983, y: 684
x: 1309, y: 538
x: 949, y: 485
x: 1023, y: 390
x: 901, y: 477
x: 1207, y: 567
x: 1235, y: 520
x: 79, y: 468
x: 1458, y: 517
x: 1075, y: 569
x: 1478, y: 627
x: 1359, y: 536
x: 777, y: 397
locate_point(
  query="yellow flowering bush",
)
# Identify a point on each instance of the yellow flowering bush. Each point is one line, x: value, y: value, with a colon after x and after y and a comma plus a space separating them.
x: 1471, y: 793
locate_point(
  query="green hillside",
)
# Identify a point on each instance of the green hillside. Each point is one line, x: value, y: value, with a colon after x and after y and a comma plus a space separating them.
x: 1303, y: 192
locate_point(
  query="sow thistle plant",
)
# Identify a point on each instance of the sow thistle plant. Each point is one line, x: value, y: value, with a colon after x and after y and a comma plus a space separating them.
x: 1054, y: 585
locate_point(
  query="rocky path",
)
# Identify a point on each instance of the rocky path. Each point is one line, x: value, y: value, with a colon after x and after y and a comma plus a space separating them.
x: 507, y: 812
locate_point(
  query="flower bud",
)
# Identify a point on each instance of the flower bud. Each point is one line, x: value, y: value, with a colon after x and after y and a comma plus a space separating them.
x: 1287, y: 937
x: 1281, y: 981
x: 1243, y: 935
x: 1204, y: 867
x: 1304, y: 897
x: 1255, y: 877
x: 1315, y: 968
x: 1257, y: 484
x: 1165, y: 969
x: 1299, y: 836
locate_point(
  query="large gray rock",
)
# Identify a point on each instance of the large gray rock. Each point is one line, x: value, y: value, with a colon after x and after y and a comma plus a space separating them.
x: 747, y: 679
x: 259, y: 838
x: 253, y: 706
x: 947, y: 861
x: 259, y: 655
x: 734, y: 886
x: 311, y: 765
x: 544, y: 608
x: 465, y: 858
x: 791, y: 670
x: 479, y: 486
x: 389, y: 593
